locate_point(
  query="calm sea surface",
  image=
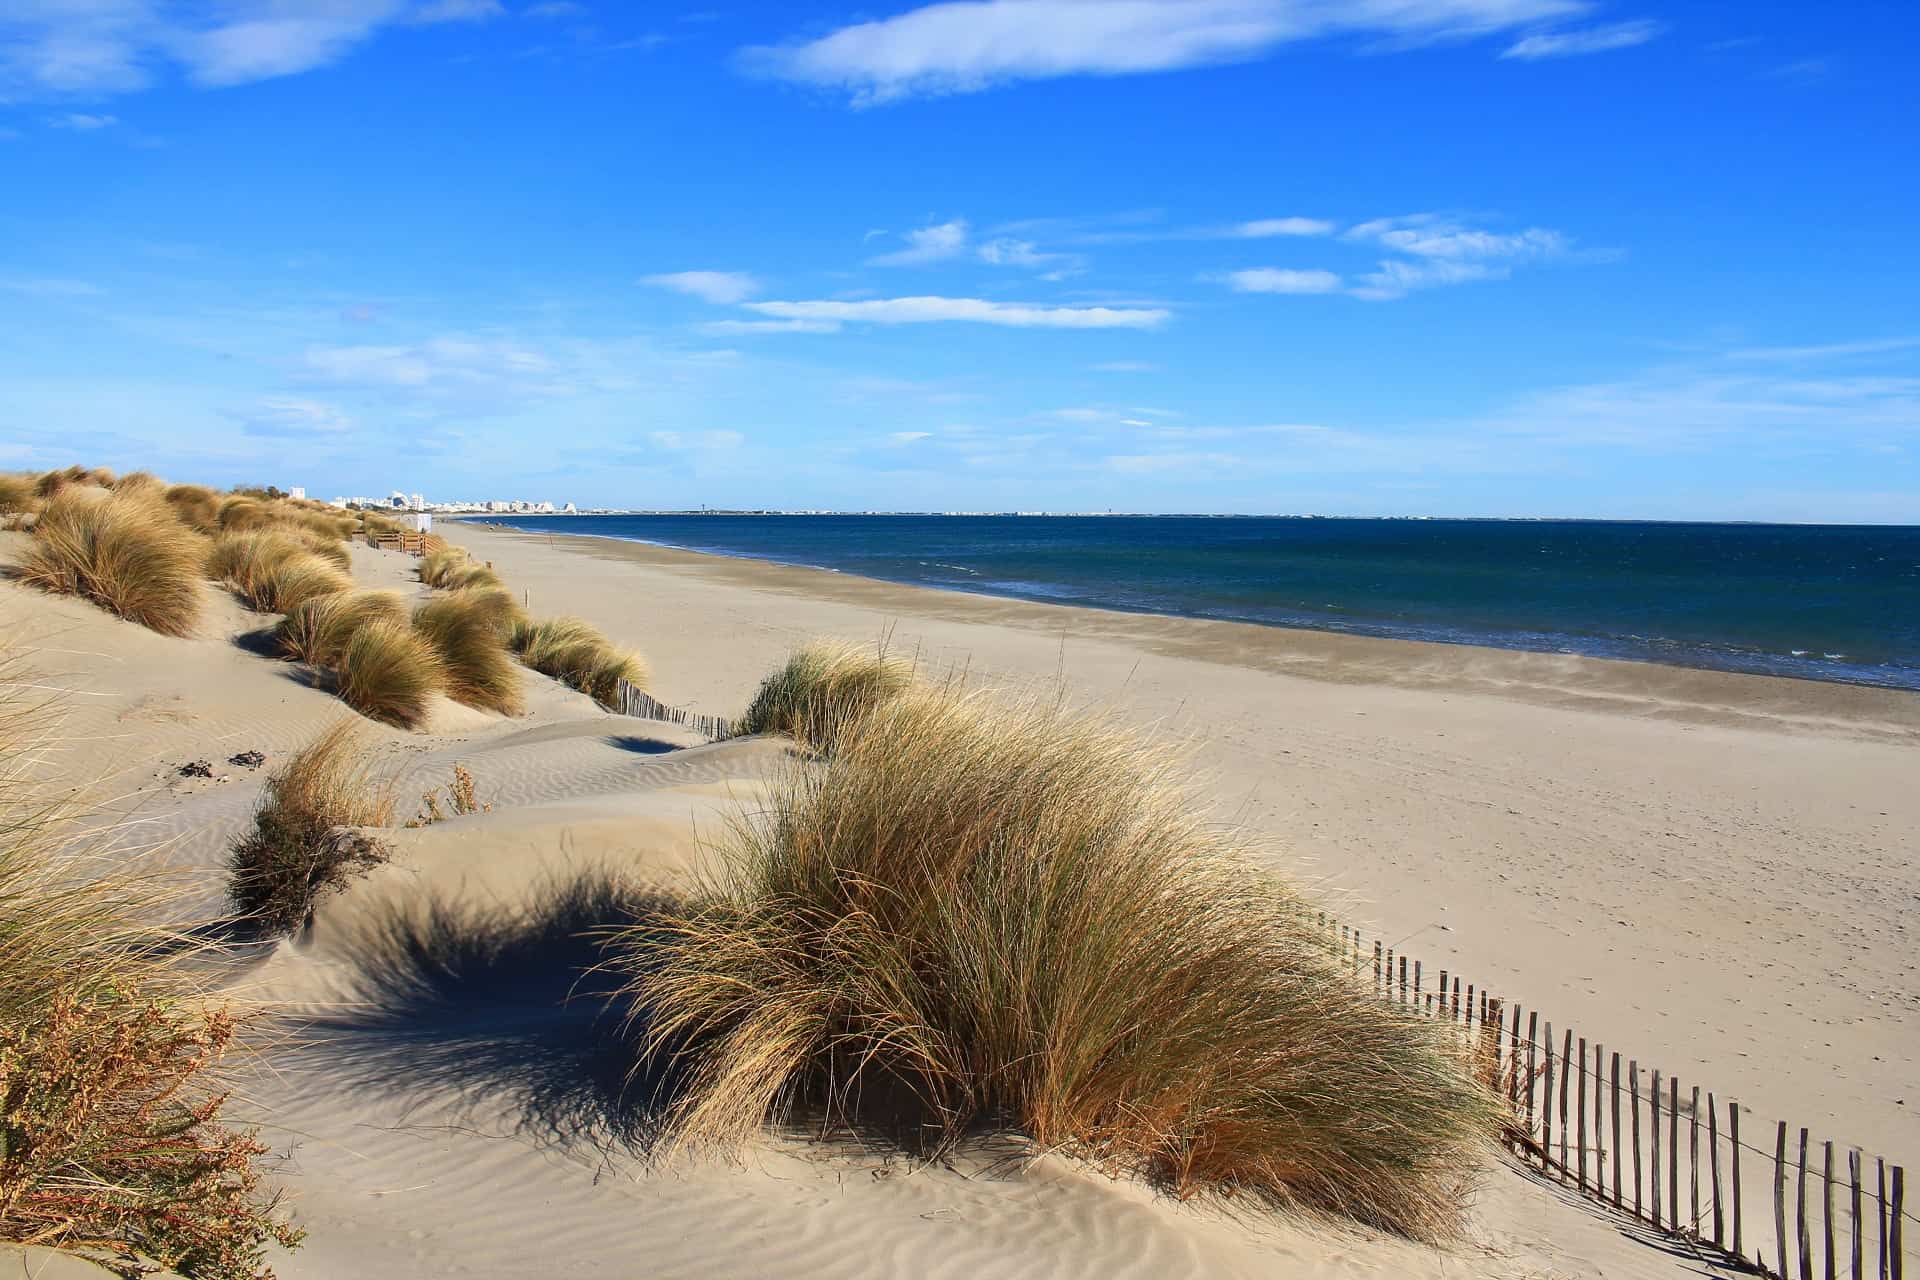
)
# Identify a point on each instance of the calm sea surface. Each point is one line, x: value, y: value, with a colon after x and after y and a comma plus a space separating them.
x: 1820, y: 602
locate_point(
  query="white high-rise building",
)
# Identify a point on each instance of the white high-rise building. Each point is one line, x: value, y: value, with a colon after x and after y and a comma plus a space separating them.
x: 297, y: 493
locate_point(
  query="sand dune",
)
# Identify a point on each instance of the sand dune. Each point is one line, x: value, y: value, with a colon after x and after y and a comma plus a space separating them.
x: 447, y: 1095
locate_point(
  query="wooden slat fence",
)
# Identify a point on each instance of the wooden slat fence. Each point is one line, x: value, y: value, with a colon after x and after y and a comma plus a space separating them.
x: 1676, y: 1158
x: 402, y: 540
x: 643, y: 705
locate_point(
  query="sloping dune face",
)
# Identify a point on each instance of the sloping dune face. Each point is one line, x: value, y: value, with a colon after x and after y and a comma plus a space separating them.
x: 450, y: 1086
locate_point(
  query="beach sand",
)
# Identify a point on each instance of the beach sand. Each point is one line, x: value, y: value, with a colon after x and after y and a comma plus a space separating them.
x: 1715, y: 873
x: 1710, y: 872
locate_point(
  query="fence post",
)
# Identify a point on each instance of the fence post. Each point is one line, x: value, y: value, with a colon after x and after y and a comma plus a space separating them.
x: 1733, y: 1123
x: 1616, y: 1129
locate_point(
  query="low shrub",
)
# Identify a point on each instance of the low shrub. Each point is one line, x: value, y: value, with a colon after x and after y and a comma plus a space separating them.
x: 823, y: 687
x: 111, y: 1144
x: 978, y: 915
x: 124, y: 552
x: 469, y: 629
x: 316, y: 630
x: 302, y: 844
x: 389, y: 672
x: 575, y: 653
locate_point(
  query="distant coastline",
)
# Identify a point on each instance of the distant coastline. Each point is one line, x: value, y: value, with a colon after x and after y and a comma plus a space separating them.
x: 1809, y: 602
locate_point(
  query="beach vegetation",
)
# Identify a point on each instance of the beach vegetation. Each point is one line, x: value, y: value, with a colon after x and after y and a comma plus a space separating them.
x: 123, y: 551
x: 822, y: 688
x: 273, y: 570
x: 1001, y: 916
x: 316, y: 630
x: 196, y: 505
x: 578, y: 655
x: 468, y: 630
x: 112, y: 1144
x: 308, y: 837
x: 389, y: 672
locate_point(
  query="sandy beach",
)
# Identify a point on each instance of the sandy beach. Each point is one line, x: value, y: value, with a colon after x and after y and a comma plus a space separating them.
x: 1711, y: 872
x: 1715, y: 873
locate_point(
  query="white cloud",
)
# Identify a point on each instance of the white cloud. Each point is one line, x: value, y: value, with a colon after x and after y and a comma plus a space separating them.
x: 909, y: 437
x: 712, y: 286
x: 292, y: 416
x: 962, y: 46
x: 1830, y: 350
x: 685, y: 441
x: 1396, y: 278
x: 1430, y: 235
x: 722, y: 328
x: 928, y: 244
x: 50, y: 48
x: 929, y: 310
x: 1126, y: 366
x: 1264, y: 228
x: 1275, y: 280
x: 47, y: 287
x: 555, y: 9
x: 453, y: 367
x: 1584, y: 40
x: 81, y: 122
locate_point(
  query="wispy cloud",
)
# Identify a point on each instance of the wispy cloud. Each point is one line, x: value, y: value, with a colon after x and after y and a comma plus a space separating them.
x: 710, y: 286
x: 724, y: 328
x: 1830, y: 350
x: 52, y: 287
x: 1276, y: 280
x: 448, y: 368
x: 935, y: 310
x: 1584, y: 40
x: 1263, y: 228
x: 927, y: 244
x: 52, y: 49
x: 82, y: 122
x: 284, y: 416
x: 686, y: 441
x: 963, y: 46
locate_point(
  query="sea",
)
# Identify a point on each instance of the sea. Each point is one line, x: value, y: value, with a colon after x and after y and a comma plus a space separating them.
x: 1817, y: 602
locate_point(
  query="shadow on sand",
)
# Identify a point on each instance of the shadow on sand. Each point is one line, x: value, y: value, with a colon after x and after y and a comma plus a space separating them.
x: 503, y: 1005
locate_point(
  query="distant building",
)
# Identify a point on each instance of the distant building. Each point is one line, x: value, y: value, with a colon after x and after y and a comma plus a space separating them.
x: 297, y: 494
x: 569, y: 509
x: 416, y: 503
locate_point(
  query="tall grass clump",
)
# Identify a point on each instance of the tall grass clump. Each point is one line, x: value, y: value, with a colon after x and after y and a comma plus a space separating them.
x: 111, y: 1144
x: 303, y: 843
x: 469, y: 629
x: 124, y: 552
x: 987, y: 916
x: 19, y: 495
x: 575, y: 653
x: 272, y: 570
x: 435, y: 566
x: 316, y: 630
x: 196, y: 505
x: 822, y: 688
x: 389, y: 672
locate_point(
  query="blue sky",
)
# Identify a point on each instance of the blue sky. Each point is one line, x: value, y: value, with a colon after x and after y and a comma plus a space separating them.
x: 1475, y: 257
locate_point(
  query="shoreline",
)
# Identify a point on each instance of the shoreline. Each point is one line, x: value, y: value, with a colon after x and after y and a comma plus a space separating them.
x: 1544, y: 635
x: 1699, y: 695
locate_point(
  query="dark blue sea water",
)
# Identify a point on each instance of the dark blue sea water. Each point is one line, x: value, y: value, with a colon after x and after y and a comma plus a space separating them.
x: 1820, y: 602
